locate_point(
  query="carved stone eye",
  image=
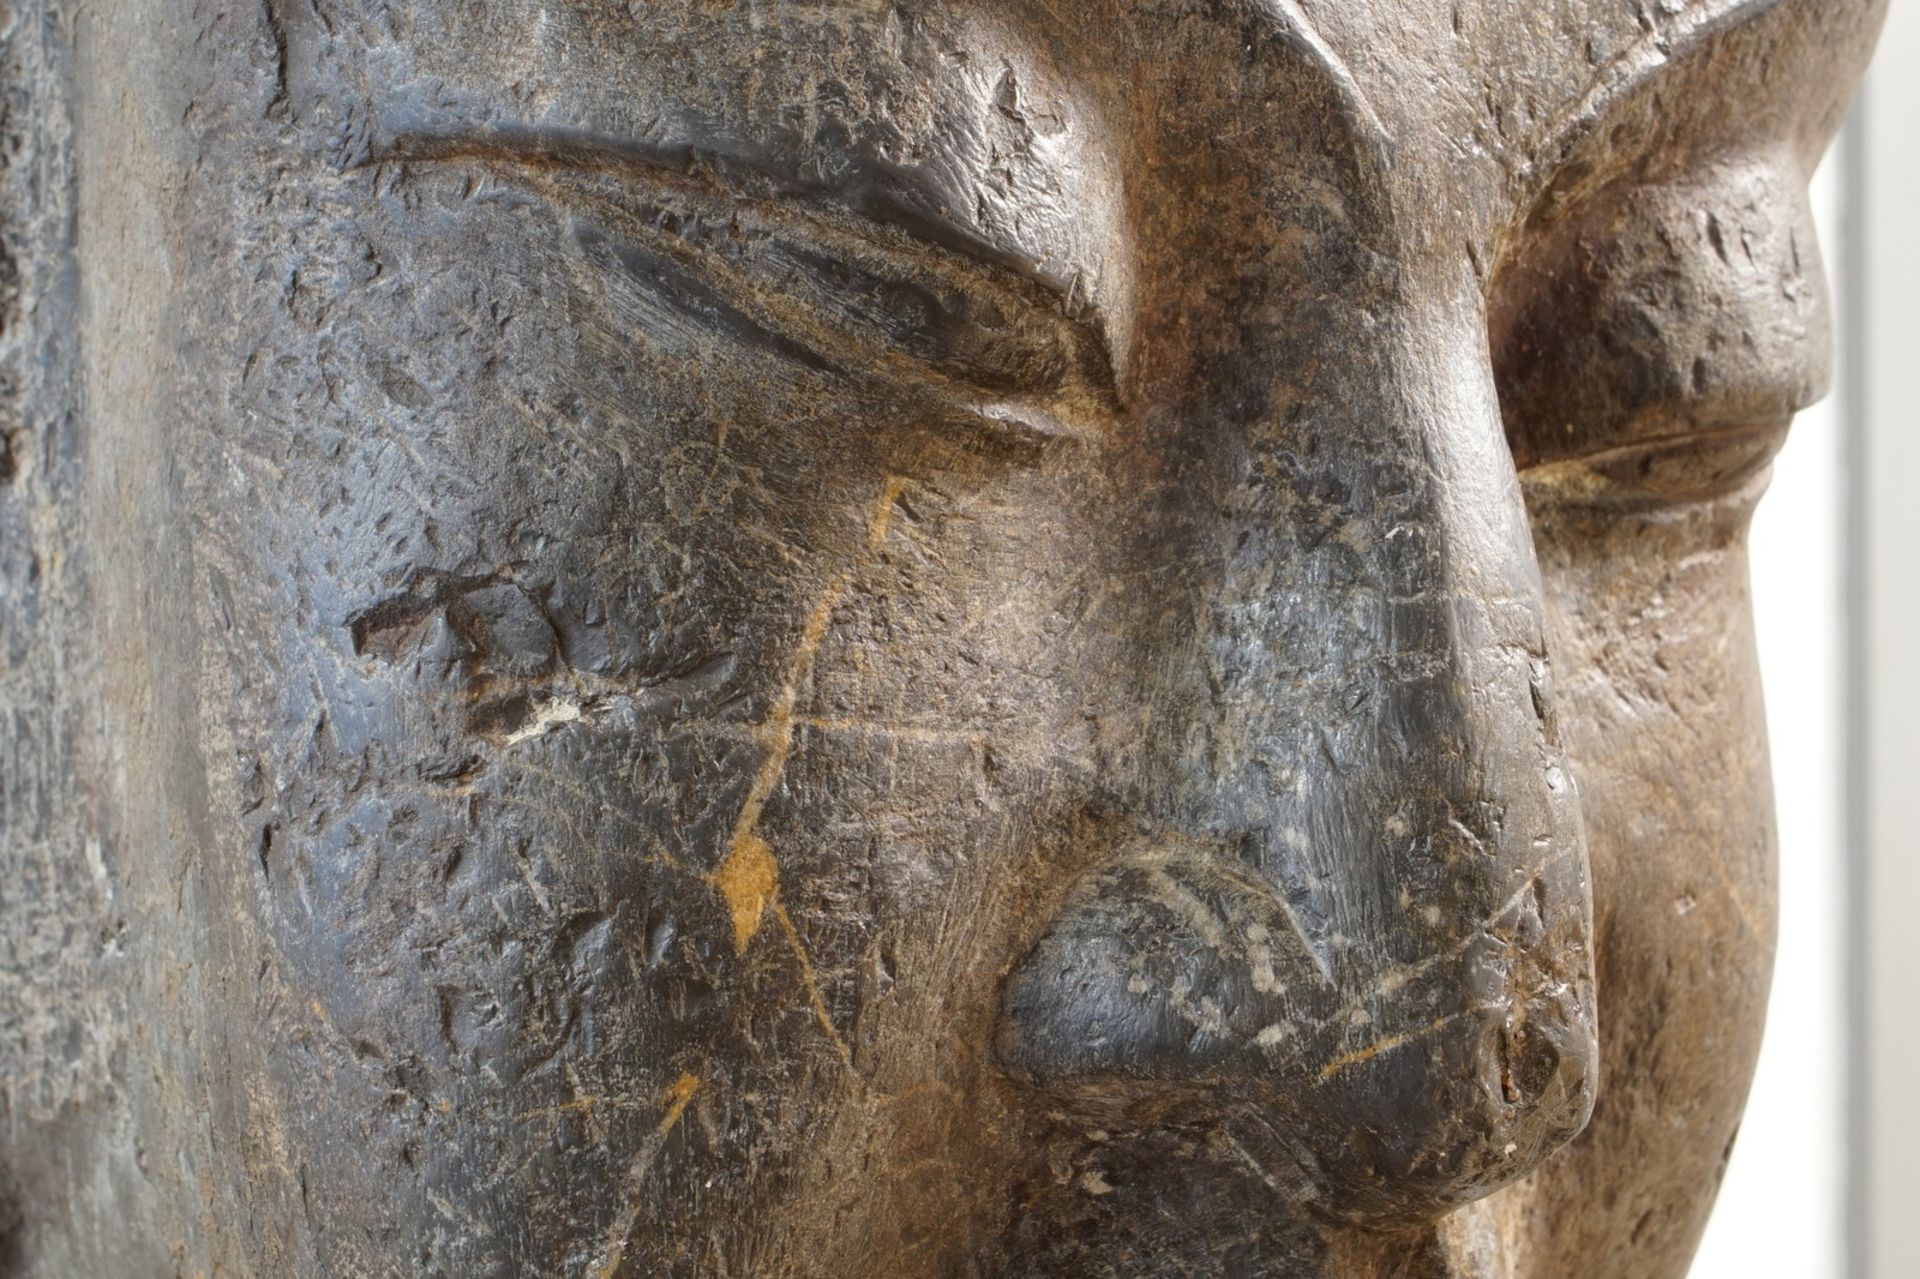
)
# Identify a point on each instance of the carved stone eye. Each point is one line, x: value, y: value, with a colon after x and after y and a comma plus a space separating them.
x: 791, y: 278
x: 1651, y: 342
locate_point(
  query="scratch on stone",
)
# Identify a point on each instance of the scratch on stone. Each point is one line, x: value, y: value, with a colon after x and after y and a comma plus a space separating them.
x: 1321, y: 963
x: 1193, y: 912
x: 1245, y: 1156
x: 533, y: 884
x: 584, y: 1106
x: 675, y: 1099
x: 925, y: 734
x: 1201, y: 918
x: 919, y: 734
x: 749, y: 878
x: 1750, y: 917
x: 550, y: 717
x: 1390, y: 981
x: 813, y: 987
x: 565, y: 785
x: 1363, y: 1055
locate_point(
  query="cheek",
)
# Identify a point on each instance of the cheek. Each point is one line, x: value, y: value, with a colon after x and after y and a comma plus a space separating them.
x: 1653, y: 645
x: 1652, y: 636
x: 754, y: 873
x: 605, y: 725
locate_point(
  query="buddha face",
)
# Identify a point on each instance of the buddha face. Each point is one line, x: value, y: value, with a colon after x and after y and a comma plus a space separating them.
x: 976, y: 637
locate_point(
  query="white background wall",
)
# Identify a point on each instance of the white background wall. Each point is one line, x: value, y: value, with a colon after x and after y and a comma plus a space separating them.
x: 1781, y: 1214
x: 1887, y: 697
x: 1825, y: 1181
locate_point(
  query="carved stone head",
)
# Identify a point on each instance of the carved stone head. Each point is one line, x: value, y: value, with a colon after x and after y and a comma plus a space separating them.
x: 936, y: 637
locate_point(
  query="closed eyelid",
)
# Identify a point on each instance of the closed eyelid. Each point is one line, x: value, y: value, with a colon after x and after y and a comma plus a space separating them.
x: 1654, y: 343
x: 1036, y: 342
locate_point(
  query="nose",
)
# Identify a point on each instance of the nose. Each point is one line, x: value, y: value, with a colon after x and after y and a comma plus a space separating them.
x: 1356, y: 915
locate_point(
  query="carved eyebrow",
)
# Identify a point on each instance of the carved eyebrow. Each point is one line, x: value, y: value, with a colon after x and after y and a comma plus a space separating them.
x: 1660, y: 46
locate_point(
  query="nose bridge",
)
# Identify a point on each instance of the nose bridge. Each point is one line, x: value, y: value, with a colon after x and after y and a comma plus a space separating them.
x: 1372, y: 646
x: 1355, y: 920
x: 1360, y: 907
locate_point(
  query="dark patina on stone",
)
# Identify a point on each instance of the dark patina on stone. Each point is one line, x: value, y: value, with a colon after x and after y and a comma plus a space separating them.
x: 890, y: 637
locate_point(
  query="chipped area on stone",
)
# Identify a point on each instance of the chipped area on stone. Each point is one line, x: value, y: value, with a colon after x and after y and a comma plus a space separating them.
x: 549, y: 717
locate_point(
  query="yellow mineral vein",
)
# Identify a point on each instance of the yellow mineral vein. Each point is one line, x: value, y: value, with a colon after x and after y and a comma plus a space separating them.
x: 675, y: 1100
x: 749, y: 878
x: 813, y: 986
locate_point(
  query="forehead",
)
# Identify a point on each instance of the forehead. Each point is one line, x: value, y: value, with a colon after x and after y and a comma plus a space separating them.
x: 1015, y: 120
x: 1515, y: 68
